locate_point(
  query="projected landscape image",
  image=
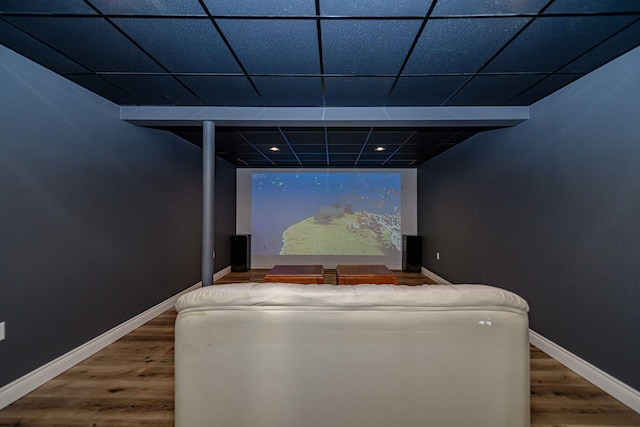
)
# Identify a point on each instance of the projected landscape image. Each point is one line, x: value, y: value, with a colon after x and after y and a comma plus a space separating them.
x: 325, y: 213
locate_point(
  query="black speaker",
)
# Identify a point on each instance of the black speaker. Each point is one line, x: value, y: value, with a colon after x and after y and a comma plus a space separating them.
x: 241, y: 252
x: 412, y: 254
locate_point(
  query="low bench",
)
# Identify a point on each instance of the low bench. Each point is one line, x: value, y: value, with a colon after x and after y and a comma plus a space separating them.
x: 303, y: 274
x: 358, y: 274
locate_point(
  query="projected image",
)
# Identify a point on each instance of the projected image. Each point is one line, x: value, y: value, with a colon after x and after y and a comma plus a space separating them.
x: 325, y: 213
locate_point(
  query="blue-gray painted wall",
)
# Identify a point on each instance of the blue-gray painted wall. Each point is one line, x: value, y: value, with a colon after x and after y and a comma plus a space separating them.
x: 224, y: 225
x: 551, y: 210
x: 99, y: 219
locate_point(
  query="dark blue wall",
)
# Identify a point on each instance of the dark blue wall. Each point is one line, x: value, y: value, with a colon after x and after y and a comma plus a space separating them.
x: 99, y: 219
x: 224, y: 223
x: 551, y: 210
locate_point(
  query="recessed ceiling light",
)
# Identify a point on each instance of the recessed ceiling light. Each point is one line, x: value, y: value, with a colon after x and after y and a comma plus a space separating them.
x: 274, y: 148
x: 379, y: 148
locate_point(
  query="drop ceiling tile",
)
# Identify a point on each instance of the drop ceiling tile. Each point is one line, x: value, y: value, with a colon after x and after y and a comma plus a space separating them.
x: 424, y: 91
x: 274, y: 46
x: 428, y: 148
x: 312, y: 158
x: 229, y: 157
x: 374, y: 8
x: 223, y: 90
x: 399, y: 164
x: 356, y: 91
x: 345, y: 164
x: 338, y: 136
x: 289, y: 91
x: 591, y: 6
x: 397, y: 157
x: 19, y: 41
x: 413, y: 144
x: 264, y: 136
x: 313, y: 137
x: 366, y: 46
x: 429, y: 139
x: 281, y: 156
x: 155, y: 90
x: 369, y: 151
x: 309, y: 149
x: 153, y: 7
x: 182, y: 45
x: 254, y: 154
x: 281, y: 144
x: 104, y: 88
x: 46, y: 6
x: 255, y: 158
x: 380, y: 157
x: 545, y: 87
x: 487, y: 7
x: 617, y: 45
x: 91, y: 42
x: 261, y: 7
x: 229, y: 140
x: 410, y: 150
x: 372, y: 158
x: 284, y: 152
x: 372, y: 149
x: 271, y: 140
x: 549, y: 43
x: 493, y: 90
x: 319, y: 162
x: 460, y: 45
x: 345, y: 148
x: 391, y: 138
x: 341, y: 163
x: 240, y: 149
x: 287, y: 163
x: 334, y: 157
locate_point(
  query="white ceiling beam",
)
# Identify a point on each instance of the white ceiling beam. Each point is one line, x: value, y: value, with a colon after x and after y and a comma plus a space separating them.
x: 326, y: 116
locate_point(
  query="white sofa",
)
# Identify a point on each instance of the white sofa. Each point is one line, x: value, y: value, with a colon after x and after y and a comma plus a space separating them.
x: 288, y: 355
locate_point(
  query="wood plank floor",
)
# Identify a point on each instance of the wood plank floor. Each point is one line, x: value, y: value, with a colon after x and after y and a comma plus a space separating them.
x: 130, y: 383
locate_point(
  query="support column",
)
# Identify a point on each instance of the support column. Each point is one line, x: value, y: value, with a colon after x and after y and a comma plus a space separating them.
x: 208, y: 187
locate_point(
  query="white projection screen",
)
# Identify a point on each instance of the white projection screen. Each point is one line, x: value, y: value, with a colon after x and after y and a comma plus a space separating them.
x: 326, y: 216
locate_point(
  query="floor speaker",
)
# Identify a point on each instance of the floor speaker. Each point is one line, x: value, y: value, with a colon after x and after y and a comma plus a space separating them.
x: 412, y: 254
x: 241, y: 252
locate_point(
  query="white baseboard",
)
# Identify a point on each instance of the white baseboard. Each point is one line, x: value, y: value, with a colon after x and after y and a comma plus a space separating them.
x: 606, y: 382
x: 598, y: 377
x: 220, y: 274
x: 34, y: 379
x: 433, y: 276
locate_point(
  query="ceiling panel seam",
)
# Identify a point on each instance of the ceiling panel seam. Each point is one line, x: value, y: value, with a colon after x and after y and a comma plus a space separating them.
x: 398, y: 149
x: 411, y: 49
x: 557, y: 70
x: 326, y: 143
x: 290, y: 146
x: 495, y: 55
x: 256, y: 148
x: 364, y: 144
x: 137, y: 45
x: 228, y: 45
